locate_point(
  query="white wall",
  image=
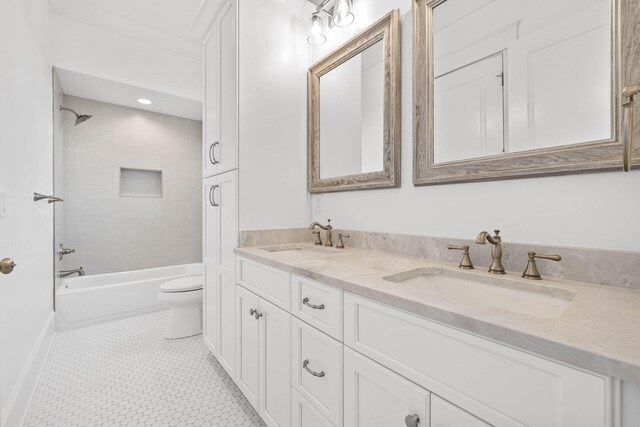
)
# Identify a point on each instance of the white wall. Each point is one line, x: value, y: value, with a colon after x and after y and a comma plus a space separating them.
x: 87, y: 49
x: 113, y: 233
x: 273, y: 76
x: 594, y: 210
x: 26, y: 232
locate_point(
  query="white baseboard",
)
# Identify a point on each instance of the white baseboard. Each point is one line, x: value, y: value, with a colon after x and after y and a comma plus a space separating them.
x: 15, y: 411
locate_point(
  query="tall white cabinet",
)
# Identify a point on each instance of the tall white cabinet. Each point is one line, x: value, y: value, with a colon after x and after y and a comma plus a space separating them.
x: 220, y: 188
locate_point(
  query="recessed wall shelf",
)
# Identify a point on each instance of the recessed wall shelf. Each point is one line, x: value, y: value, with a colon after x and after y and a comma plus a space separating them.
x: 140, y: 183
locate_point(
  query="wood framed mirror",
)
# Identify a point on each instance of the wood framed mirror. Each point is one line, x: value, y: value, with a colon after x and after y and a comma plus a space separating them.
x: 511, y: 89
x: 354, y: 112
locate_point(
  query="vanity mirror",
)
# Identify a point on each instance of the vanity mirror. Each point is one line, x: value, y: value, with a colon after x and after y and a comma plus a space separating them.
x: 354, y: 112
x: 514, y: 88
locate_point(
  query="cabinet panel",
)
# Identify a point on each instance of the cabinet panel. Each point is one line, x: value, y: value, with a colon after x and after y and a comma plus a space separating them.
x: 275, y: 365
x: 247, y: 342
x: 497, y: 383
x: 323, y: 355
x: 209, y: 255
x: 226, y: 344
x: 304, y: 414
x: 227, y: 154
x: 317, y: 304
x: 445, y: 414
x: 226, y: 195
x: 211, y: 105
x: 374, y: 396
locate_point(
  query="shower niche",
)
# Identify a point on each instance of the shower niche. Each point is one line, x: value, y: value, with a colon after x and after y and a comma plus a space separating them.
x: 140, y: 183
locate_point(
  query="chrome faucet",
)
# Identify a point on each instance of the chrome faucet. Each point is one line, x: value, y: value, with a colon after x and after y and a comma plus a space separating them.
x: 496, y: 251
x: 67, y: 273
x: 327, y: 228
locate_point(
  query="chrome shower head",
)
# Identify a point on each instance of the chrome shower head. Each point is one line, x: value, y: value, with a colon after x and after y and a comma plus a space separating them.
x: 80, y: 118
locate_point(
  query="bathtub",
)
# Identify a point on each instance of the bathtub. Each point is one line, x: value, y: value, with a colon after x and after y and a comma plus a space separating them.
x: 90, y: 299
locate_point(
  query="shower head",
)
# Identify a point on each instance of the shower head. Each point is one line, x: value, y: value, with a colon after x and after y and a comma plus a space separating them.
x: 80, y: 118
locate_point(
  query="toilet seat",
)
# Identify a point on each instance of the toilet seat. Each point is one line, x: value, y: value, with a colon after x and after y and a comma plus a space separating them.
x: 183, y: 284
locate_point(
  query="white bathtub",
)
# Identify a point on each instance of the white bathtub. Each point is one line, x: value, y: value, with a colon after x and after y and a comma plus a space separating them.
x: 90, y: 299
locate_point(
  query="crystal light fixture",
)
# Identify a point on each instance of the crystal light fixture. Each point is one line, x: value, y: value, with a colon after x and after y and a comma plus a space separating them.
x: 316, y: 31
x: 340, y: 14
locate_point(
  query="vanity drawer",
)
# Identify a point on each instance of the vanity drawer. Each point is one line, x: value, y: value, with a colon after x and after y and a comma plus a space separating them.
x: 317, y: 369
x: 494, y: 382
x: 270, y: 283
x: 317, y: 304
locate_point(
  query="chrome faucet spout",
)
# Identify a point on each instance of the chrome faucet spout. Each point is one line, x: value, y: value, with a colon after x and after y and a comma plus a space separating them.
x: 496, y: 251
x: 328, y: 228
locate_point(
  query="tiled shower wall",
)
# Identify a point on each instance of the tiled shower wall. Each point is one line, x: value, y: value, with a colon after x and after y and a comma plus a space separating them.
x: 112, y: 233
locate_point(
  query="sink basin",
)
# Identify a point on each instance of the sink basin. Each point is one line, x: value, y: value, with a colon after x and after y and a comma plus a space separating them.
x: 301, y: 249
x: 504, y: 293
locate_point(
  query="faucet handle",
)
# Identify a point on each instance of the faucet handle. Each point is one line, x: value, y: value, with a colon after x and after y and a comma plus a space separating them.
x: 318, y: 238
x: 340, y: 244
x: 465, y: 263
x: 531, y: 272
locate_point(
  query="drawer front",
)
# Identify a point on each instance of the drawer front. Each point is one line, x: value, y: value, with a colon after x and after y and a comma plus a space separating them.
x: 304, y: 414
x: 374, y: 396
x: 317, y: 370
x: 499, y: 384
x: 445, y: 414
x: 317, y: 304
x: 271, y: 284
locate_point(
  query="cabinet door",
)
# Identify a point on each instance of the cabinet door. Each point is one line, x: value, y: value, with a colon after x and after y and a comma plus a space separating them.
x: 227, y: 151
x: 445, y: 414
x: 304, y: 414
x: 226, y: 197
x: 211, y: 136
x: 247, y: 354
x: 210, y: 255
x: 275, y: 365
x: 374, y: 396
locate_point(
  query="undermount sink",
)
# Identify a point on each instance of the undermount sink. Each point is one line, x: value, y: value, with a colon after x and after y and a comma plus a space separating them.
x: 504, y: 293
x: 301, y: 249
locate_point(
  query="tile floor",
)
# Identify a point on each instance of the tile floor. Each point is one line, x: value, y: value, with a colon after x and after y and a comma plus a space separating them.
x: 123, y: 373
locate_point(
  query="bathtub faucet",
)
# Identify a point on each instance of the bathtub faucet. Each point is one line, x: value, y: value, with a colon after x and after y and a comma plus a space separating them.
x: 67, y: 273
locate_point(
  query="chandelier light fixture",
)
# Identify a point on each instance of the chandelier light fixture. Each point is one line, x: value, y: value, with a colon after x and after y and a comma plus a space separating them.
x: 339, y: 13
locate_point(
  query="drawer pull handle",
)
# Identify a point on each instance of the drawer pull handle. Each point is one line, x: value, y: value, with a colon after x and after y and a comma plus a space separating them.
x: 308, y: 304
x: 314, y: 373
x: 212, y: 156
x: 412, y: 420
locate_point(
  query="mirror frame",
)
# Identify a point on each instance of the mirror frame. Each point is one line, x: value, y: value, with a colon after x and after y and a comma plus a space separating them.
x: 387, y: 29
x: 603, y: 155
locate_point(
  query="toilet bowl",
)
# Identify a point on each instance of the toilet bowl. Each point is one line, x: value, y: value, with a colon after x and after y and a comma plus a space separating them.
x: 184, y: 298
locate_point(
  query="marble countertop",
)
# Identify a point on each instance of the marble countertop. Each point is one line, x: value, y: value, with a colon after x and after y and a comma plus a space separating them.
x: 598, y: 331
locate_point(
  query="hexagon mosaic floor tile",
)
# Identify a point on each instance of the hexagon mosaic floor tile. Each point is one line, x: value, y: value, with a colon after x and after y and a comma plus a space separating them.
x: 123, y: 373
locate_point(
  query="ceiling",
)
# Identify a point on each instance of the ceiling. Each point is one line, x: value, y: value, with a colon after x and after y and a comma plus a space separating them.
x: 98, y: 89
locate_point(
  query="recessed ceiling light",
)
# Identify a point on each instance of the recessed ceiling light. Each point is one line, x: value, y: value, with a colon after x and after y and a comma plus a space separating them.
x: 144, y: 101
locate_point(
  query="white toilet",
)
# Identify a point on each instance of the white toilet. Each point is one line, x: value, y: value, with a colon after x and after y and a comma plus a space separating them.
x: 184, y: 298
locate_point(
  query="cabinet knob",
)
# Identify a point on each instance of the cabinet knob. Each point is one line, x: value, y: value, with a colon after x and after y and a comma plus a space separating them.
x: 412, y: 420
x: 7, y: 265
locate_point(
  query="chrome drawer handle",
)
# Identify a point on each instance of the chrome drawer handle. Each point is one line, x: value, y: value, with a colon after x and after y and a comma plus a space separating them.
x: 412, y: 420
x: 314, y: 373
x: 308, y: 304
x: 212, y: 199
x: 212, y: 156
